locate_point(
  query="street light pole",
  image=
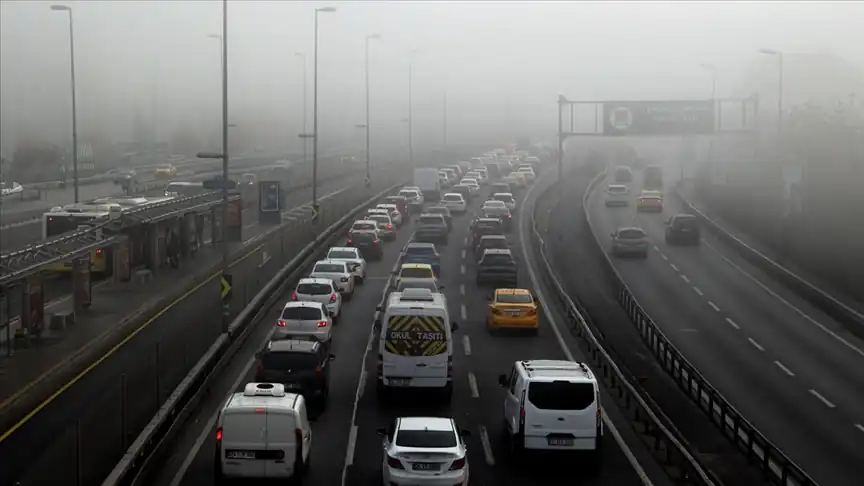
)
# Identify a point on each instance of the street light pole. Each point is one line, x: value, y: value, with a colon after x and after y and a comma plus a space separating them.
x: 225, y: 254
x: 64, y: 8
x: 221, y: 60
x: 410, y: 103
x: 368, y: 38
x: 713, y: 70
x: 315, y: 112
x: 444, y: 148
x: 305, y: 103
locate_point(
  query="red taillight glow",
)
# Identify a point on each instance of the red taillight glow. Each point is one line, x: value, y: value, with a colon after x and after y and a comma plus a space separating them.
x: 218, y: 434
x: 319, y: 372
x: 350, y: 242
x: 457, y: 464
x: 389, y: 226
x: 99, y: 251
x: 333, y: 297
x: 282, y: 323
x: 394, y: 463
x: 321, y: 324
x: 259, y: 410
x: 294, y: 295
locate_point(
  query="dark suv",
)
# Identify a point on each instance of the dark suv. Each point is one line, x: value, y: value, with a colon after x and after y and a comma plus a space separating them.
x: 301, y: 365
x: 369, y: 244
x: 682, y: 229
x: 490, y: 242
x: 431, y: 228
x: 481, y: 227
x: 443, y: 211
x: 497, y: 267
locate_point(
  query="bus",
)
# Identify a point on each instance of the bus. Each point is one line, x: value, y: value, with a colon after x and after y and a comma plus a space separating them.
x: 131, y: 202
x: 73, y: 217
x: 185, y: 189
x: 653, y: 178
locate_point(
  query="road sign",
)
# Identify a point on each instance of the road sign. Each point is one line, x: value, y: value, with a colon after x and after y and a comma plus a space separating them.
x: 657, y: 118
x: 269, y: 196
x: 226, y: 281
x: 314, y: 212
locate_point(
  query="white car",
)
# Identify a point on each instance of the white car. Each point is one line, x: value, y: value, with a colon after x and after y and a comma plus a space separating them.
x: 338, y: 272
x: 515, y: 179
x: 454, y: 202
x: 10, y: 188
x: 493, y: 203
x: 395, y: 215
x: 352, y: 256
x: 617, y: 195
x: 471, y: 183
x: 364, y: 225
x: 413, y: 196
x: 484, y: 176
x: 321, y: 290
x: 507, y: 198
x: 304, y: 319
x: 474, y: 174
x: 385, y: 224
x: 421, y: 451
x: 528, y: 172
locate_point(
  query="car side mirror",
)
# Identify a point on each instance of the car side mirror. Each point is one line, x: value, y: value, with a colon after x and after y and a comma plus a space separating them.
x: 379, y: 308
x: 258, y: 354
x: 381, y: 431
x: 441, y: 287
x: 454, y: 326
x: 332, y: 357
x: 502, y: 381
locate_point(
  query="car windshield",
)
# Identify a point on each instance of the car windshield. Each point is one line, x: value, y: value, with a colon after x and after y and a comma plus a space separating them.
x: 313, y: 289
x: 631, y: 234
x: 684, y: 222
x: 453, y: 197
x: 431, y: 220
x: 561, y: 395
x: 415, y: 273
x: 420, y: 250
x: 438, y: 210
x: 487, y: 226
x: 514, y: 298
x: 496, y: 211
x: 288, y: 361
x: 364, y: 226
x: 301, y: 314
x: 503, y: 198
x: 426, y: 438
x: 329, y: 268
x: 497, y: 259
x: 341, y: 254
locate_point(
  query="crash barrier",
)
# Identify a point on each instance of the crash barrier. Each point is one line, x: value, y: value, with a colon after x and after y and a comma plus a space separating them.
x: 759, y: 451
x: 149, y: 447
x: 851, y: 319
x: 662, y: 439
x: 81, y: 433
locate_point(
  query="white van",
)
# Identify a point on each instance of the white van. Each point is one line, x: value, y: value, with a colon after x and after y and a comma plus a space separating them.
x: 415, y: 346
x: 262, y: 433
x: 552, y: 405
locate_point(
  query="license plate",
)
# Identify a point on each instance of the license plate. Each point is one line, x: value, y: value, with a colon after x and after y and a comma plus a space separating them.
x: 425, y: 466
x: 240, y: 455
x: 558, y: 441
x: 514, y: 313
x: 400, y: 381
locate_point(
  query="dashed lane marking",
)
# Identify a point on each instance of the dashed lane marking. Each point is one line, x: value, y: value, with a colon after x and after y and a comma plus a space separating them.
x: 462, y: 269
x: 733, y: 323
x: 696, y: 289
x: 472, y: 383
x: 462, y: 289
x: 487, y: 447
x: 466, y: 344
x: 464, y: 312
x: 755, y: 344
x: 713, y: 306
x: 663, y: 256
x: 784, y: 368
x: 859, y: 427
x: 822, y: 399
x: 463, y: 254
x: 674, y: 267
x: 684, y: 278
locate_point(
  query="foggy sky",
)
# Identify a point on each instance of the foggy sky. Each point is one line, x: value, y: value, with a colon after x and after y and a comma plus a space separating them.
x: 501, y: 64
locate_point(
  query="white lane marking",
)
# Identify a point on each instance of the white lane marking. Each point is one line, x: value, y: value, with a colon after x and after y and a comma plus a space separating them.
x: 684, y: 278
x: 784, y: 368
x: 465, y: 241
x: 755, y: 344
x: 733, y: 323
x: 463, y: 254
x: 674, y: 267
x: 713, y: 306
x: 859, y: 427
x: 822, y: 399
x: 789, y: 304
x: 462, y: 269
x: 193, y: 452
x: 464, y: 313
x: 696, y: 289
x: 487, y: 447
x: 466, y: 344
x: 462, y: 289
x: 541, y: 296
x: 664, y: 256
x: 658, y: 249
x: 472, y: 383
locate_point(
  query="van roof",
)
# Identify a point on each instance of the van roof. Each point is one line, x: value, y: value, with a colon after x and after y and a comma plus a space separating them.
x: 397, y: 301
x: 551, y: 369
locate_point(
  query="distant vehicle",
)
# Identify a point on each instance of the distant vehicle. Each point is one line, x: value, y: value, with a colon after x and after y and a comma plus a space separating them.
x: 249, y: 179
x: 630, y: 240
x: 395, y: 215
x: 319, y: 290
x: 501, y: 213
x: 455, y: 202
x: 419, y: 252
x: 682, y: 229
x: 10, y: 188
x: 301, y: 319
x: 653, y: 177
x: 427, y: 180
x: 507, y: 198
x: 302, y: 366
x: 617, y: 195
x: 650, y: 201
x: 165, y: 171
x: 623, y: 174
x: 432, y: 228
x: 119, y: 176
x: 490, y: 242
x: 443, y: 211
x: 513, y: 309
x: 185, y: 189
x: 368, y: 242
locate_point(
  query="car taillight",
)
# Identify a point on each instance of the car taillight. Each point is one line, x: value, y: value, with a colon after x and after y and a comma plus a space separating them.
x: 219, y: 434
x: 390, y: 226
x: 394, y: 463
x: 321, y: 324
x: 319, y: 372
x: 507, y: 216
x: 282, y: 323
x: 294, y: 295
x: 496, y: 311
x: 350, y: 242
x: 457, y: 464
x: 333, y: 297
x: 99, y: 251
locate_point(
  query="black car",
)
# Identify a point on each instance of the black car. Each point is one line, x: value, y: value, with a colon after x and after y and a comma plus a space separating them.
x: 502, y: 214
x: 443, y: 211
x: 490, y: 242
x: 369, y: 244
x: 301, y: 365
x: 432, y: 228
x: 498, y: 268
x: 682, y: 229
x: 484, y: 226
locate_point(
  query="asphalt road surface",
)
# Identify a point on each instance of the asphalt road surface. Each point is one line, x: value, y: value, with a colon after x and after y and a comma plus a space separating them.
x: 347, y: 451
x: 789, y: 368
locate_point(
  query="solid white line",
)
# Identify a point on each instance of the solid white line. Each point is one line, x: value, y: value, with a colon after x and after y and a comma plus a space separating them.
x: 714, y: 306
x: 823, y: 399
x: 487, y: 447
x: 472, y: 383
x: 757, y: 345
x: 352, y: 443
x: 462, y: 269
x: 784, y: 368
x: 674, y: 267
x: 696, y: 289
x: 859, y: 427
x: 465, y: 241
x: 462, y: 289
x: 733, y: 323
x: 464, y: 313
x: 684, y: 278
x: 466, y: 344
x: 788, y: 304
x: 463, y: 254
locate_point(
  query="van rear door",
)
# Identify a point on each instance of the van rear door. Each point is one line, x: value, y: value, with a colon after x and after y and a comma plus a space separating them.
x: 243, y: 442
x: 281, y: 444
x: 561, y: 415
x: 416, y: 350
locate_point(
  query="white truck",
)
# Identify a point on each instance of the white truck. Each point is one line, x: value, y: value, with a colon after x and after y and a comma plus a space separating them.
x: 427, y: 180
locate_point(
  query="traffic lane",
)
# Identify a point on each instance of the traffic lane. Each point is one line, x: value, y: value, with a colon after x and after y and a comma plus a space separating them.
x: 331, y: 428
x: 743, y: 373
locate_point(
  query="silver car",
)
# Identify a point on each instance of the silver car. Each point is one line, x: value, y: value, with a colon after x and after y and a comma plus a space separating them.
x: 304, y: 319
x: 385, y: 225
x: 395, y: 215
x: 321, y: 290
x: 630, y: 240
x: 339, y: 273
x: 352, y: 257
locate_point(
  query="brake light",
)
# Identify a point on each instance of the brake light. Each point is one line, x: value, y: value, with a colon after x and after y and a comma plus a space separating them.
x: 389, y: 226
x: 219, y: 434
x: 531, y: 312
x: 374, y: 242
x: 321, y: 324
x: 282, y: 323
x: 394, y: 463
x: 333, y: 297
x: 99, y: 251
x: 507, y: 216
x: 294, y: 295
x: 319, y: 372
x: 458, y: 464
x: 350, y: 242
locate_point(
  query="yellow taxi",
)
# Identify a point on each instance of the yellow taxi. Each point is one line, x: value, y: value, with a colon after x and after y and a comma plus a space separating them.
x: 512, y: 309
x: 650, y: 201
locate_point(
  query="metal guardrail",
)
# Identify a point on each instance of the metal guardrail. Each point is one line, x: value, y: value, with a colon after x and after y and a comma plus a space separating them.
x: 759, y: 451
x: 849, y: 317
x: 167, y: 423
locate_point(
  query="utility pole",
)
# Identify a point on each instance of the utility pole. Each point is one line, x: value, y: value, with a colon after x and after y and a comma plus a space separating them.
x: 225, y: 254
x: 64, y: 8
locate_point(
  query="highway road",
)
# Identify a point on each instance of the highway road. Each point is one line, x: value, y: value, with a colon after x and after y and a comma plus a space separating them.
x: 347, y: 449
x: 789, y: 368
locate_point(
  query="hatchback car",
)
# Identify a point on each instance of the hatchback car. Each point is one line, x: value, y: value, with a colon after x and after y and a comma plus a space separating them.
x: 443, y: 211
x: 338, y: 272
x: 501, y: 213
x: 490, y: 242
x: 304, y: 319
x: 507, y: 198
x: 471, y: 183
x: 385, y: 225
x: 301, y: 366
x: 464, y: 190
x: 630, y: 240
x: 409, y: 271
x: 617, y: 195
x: 395, y: 215
x: 319, y: 290
x: 682, y: 229
x: 419, y: 252
x: 421, y: 451
x: 649, y: 203
x: 369, y: 244
x: 512, y: 309
x: 364, y: 225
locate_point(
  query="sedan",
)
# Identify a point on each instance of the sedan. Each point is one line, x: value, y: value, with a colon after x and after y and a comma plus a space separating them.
x: 454, y: 202
x: 395, y: 215
x: 507, y: 198
x: 422, y: 451
x: 630, y: 240
x: 472, y: 183
x: 353, y: 258
x: 339, y: 273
